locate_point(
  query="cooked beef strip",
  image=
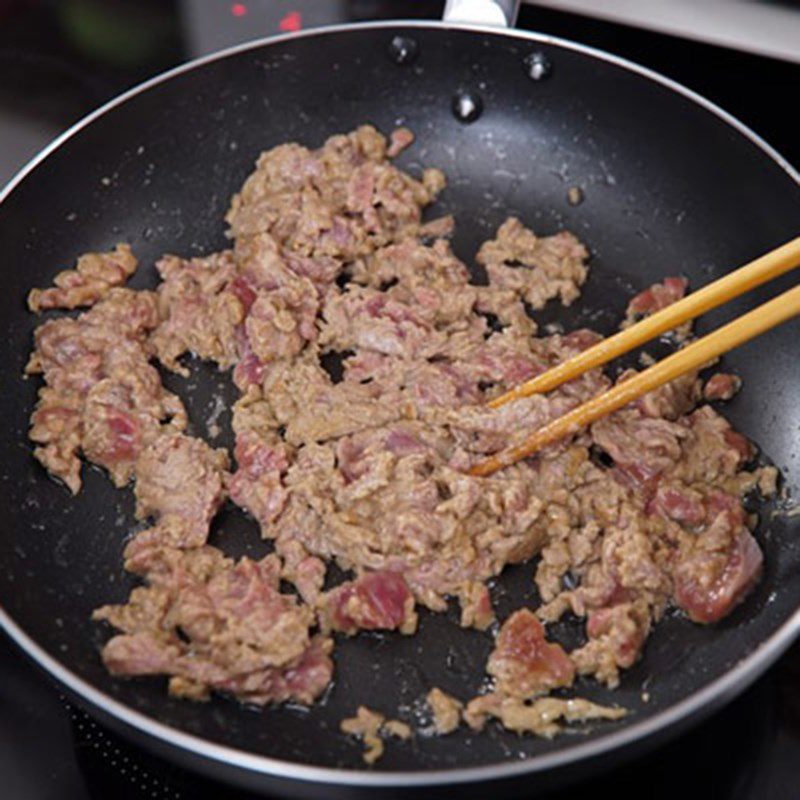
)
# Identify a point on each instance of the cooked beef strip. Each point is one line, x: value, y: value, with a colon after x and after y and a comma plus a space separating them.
x: 101, y: 396
x: 94, y: 276
x: 523, y: 663
x: 538, y: 269
x: 656, y: 297
x: 210, y: 623
x: 199, y: 310
x: 330, y: 258
x: 180, y: 476
x: 376, y: 601
x: 446, y: 711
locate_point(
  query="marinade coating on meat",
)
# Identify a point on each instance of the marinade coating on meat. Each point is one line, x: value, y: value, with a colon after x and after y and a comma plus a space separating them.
x: 344, y: 200
x: 94, y: 276
x: 541, y: 717
x: 446, y: 711
x: 372, y: 727
x: 101, y: 396
x: 364, y: 463
x: 525, y: 667
x: 199, y: 310
x: 537, y: 269
x: 210, y: 623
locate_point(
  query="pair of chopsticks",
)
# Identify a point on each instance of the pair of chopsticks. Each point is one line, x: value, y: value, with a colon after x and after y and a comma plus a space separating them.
x: 693, y: 356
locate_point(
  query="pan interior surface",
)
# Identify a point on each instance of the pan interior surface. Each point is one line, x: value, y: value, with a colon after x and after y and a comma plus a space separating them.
x: 669, y: 187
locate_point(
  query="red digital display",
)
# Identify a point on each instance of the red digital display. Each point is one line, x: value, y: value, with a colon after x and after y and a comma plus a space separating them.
x: 238, y: 9
x: 293, y: 21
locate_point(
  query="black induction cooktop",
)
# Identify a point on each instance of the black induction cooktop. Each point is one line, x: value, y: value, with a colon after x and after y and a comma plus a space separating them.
x: 58, y: 61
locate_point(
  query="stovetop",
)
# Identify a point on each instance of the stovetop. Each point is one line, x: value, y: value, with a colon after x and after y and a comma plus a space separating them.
x: 59, y: 59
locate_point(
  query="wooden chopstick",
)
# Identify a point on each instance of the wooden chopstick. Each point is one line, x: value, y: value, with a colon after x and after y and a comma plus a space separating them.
x: 769, y: 266
x: 693, y: 356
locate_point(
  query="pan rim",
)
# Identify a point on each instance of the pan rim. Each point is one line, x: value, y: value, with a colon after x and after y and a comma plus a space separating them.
x: 705, y: 700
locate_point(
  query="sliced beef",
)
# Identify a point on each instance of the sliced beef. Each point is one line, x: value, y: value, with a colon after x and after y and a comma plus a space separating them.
x: 376, y: 601
x: 199, y: 310
x: 256, y: 485
x: 102, y: 398
x: 476, y: 606
x: 655, y: 298
x: 523, y: 663
x: 537, y: 269
x: 718, y: 567
x: 181, y: 476
x: 94, y: 276
x: 211, y: 623
x: 616, y: 636
x: 343, y: 200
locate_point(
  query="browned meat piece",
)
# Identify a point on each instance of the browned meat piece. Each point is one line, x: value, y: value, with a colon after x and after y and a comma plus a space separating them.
x: 713, y: 452
x: 71, y: 352
x: 312, y: 408
x: 179, y: 476
x: 537, y: 269
x: 718, y: 568
x: 642, y: 448
x: 393, y: 505
x: 116, y: 428
x: 678, y: 502
x: 171, y: 531
x: 372, y: 320
x: 94, y: 276
x: 343, y: 200
x: 102, y: 396
x: 256, y: 485
x: 376, y: 601
x: 211, y: 623
x: 306, y: 572
x: 440, y: 228
x: 263, y: 264
x: 281, y: 321
x: 199, y: 311
x: 523, y: 663
x: 446, y: 711
x: 722, y: 386
x: 616, y: 636
x: 656, y: 297
x: 673, y: 399
x: 415, y: 265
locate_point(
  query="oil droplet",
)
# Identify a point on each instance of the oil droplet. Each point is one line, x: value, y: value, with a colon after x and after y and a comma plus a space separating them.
x: 537, y: 66
x: 467, y: 106
x: 403, y: 49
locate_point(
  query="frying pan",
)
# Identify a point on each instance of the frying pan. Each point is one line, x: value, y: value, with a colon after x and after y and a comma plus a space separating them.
x: 672, y: 184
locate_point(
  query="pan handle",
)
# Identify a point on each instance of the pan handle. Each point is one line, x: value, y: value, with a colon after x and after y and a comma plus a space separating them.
x: 500, y: 13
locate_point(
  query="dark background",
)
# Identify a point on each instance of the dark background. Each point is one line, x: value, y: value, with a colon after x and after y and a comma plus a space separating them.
x: 58, y: 61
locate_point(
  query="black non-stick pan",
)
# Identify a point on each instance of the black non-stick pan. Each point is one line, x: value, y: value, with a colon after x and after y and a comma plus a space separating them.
x: 672, y: 184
